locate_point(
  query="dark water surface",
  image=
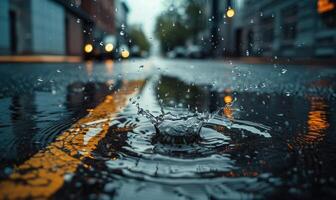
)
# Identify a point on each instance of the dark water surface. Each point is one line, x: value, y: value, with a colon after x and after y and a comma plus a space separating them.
x: 39, y: 101
x: 268, y: 146
x: 232, y: 133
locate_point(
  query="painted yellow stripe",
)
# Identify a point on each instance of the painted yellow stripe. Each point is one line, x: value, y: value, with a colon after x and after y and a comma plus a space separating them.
x: 43, y: 174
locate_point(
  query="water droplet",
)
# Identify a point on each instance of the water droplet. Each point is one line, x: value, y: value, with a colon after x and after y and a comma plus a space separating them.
x: 283, y: 71
x: 122, y: 33
x: 78, y: 20
x: 109, y: 187
x: 247, y: 53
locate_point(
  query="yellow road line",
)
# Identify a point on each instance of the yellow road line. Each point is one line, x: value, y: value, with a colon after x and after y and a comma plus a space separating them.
x: 43, y: 174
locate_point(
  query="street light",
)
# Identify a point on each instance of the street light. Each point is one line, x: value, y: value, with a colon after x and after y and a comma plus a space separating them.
x: 230, y: 12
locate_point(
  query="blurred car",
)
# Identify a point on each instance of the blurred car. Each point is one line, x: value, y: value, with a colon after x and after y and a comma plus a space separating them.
x: 171, y: 54
x: 101, y: 48
x: 194, y: 51
x: 135, y: 51
x: 180, y: 52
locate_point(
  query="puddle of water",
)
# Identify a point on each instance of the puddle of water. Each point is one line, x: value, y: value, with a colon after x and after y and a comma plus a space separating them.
x: 39, y: 101
x: 256, y: 146
x: 181, y: 145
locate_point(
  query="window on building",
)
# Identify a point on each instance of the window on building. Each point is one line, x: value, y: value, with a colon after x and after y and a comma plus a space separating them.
x: 289, y: 17
x: 267, y: 27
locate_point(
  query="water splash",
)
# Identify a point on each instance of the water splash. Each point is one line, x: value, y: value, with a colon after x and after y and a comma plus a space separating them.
x: 185, y: 128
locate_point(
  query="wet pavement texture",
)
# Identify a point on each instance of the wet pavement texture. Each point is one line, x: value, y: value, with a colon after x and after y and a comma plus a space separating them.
x: 194, y: 130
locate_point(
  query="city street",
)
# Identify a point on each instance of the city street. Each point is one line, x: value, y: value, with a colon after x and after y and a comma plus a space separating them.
x: 93, y: 130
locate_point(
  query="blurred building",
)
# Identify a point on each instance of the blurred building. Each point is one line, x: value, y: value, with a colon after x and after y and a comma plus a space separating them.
x: 268, y: 28
x: 58, y: 27
x: 26, y: 28
x: 109, y: 19
x: 217, y: 37
x: 283, y: 28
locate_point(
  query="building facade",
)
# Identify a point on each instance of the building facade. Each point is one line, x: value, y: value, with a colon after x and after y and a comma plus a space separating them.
x: 57, y: 27
x: 27, y: 29
x: 284, y: 28
x: 4, y: 27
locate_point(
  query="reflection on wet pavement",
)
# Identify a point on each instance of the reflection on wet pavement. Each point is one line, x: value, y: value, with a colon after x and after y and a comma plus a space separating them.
x: 185, y: 135
x: 43, y: 174
x: 227, y: 162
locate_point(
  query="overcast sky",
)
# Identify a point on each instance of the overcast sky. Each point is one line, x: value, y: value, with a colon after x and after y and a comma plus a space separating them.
x: 145, y: 12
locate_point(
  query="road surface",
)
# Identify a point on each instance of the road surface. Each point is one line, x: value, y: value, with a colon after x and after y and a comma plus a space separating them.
x: 56, y: 135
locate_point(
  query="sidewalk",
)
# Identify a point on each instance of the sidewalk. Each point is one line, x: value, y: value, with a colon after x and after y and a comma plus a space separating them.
x: 40, y: 58
x: 287, y: 61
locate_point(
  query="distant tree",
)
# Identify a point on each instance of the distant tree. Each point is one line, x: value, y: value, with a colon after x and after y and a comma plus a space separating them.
x: 174, y: 27
x: 171, y: 30
x: 195, y: 17
x: 138, y: 38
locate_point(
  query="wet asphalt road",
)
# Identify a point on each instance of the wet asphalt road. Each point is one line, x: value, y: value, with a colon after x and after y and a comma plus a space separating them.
x: 39, y: 101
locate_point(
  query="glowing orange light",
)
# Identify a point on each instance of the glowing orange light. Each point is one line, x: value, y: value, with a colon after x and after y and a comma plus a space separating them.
x: 125, y: 54
x: 88, y: 48
x: 109, y: 66
x: 228, y: 99
x: 89, y: 67
x: 108, y: 47
x: 230, y: 12
x: 317, y: 120
x: 324, y: 6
